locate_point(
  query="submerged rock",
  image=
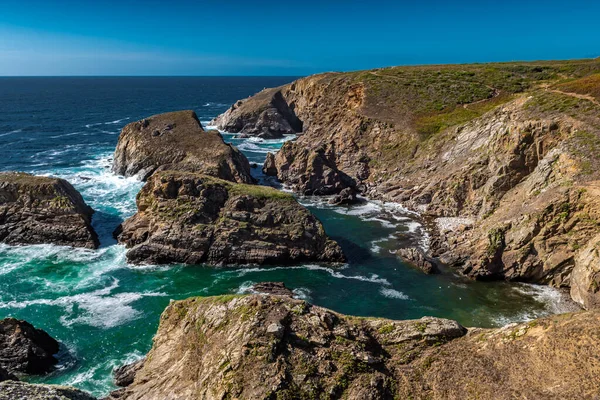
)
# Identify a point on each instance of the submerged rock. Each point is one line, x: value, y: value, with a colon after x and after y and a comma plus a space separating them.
x: 417, y: 257
x: 197, y: 219
x: 40, y: 209
x: 176, y: 140
x: 25, y: 349
x: 11, y: 390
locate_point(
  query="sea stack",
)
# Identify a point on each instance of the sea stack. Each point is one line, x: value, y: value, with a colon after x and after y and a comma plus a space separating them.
x: 191, y: 218
x: 177, y: 141
x: 40, y: 209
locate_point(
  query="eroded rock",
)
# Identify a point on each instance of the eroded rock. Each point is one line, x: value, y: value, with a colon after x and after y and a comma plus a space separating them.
x: 417, y: 257
x: 11, y: 390
x: 196, y: 219
x: 25, y: 349
x: 176, y: 140
x: 40, y: 209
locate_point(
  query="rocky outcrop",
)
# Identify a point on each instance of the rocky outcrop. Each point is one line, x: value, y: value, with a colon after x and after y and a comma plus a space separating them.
x: 250, y: 347
x: 257, y: 346
x: 7, y: 376
x: 272, y: 288
x: 196, y: 219
x: 345, y: 197
x: 585, y: 279
x: 125, y: 374
x: 40, y: 209
x: 417, y: 257
x: 11, y: 390
x: 176, y: 140
x: 25, y: 349
x: 266, y: 115
x: 508, y: 147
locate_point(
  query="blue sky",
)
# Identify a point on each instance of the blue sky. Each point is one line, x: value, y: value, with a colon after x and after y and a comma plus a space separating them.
x: 177, y: 37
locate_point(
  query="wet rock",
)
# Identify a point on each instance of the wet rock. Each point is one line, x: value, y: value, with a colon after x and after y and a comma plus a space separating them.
x: 417, y: 257
x: 144, y: 147
x: 11, y: 390
x: 345, y: 197
x: 196, y: 219
x: 40, y: 209
x: 272, y: 288
x: 125, y: 375
x: 269, y: 167
x: 25, y: 349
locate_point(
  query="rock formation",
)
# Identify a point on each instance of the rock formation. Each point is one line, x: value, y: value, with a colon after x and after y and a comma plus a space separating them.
x: 39, y: 209
x: 504, y: 157
x: 25, y: 349
x: 125, y: 375
x: 11, y: 390
x: 177, y: 141
x: 266, y: 115
x: 417, y: 257
x: 197, y: 219
x: 249, y: 347
x: 272, y: 288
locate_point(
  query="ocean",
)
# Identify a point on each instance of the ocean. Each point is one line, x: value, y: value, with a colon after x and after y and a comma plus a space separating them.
x: 105, y: 312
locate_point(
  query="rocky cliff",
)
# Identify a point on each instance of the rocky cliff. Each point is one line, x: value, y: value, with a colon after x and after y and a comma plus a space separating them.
x: 197, y: 219
x: 24, y: 391
x: 176, y: 140
x: 275, y: 347
x: 39, y: 209
x: 503, y: 157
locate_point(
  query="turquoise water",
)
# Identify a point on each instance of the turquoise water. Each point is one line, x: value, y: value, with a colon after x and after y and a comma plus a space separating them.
x: 105, y: 312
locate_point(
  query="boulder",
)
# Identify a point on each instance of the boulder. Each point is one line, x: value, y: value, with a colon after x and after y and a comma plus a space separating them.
x: 269, y: 167
x: 416, y: 257
x: 272, y: 288
x: 7, y: 376
x: 176, y: 140
x: 345, y: 197
x: 25, y: 349
x: 11, y: 390
x: 40, y: 209
x: 197, y: 219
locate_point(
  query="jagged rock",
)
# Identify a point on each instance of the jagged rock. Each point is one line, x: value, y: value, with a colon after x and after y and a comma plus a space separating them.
x: 272, y: 288
x: 26, y: 349
x: 39, y: 209
x: 417, y: 257
x: 265, y: 115
x: 11, y: 390
x: 257, y: 346
x: 184, y: 147
x: 196, y: 219
x: 585, y: 280
x: 250, y: 347
x: 269, y: 167
x: 521, y: 162
x: 125, y: 375
x: 345, y: 197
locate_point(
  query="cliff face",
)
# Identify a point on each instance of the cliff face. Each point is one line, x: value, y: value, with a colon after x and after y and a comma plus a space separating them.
x: 275, y: 347
x: 39, y: 209
x: 505, y: 157
x: 194, y: 219
x: 177, y: 141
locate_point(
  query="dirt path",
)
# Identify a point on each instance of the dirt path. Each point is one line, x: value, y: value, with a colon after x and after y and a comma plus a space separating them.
x: 576, y: 95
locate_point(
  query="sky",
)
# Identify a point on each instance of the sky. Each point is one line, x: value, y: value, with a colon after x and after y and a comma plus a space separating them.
x: 301, y: 37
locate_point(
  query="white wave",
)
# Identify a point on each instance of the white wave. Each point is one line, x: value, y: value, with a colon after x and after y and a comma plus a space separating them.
x: 374, y: 278
x: 66, y: 134
x: 393, y: 294
x: 116, y: 121
x: 11, y: 132
x: 91, y: 125
x: 253, y: 148
x: 98, y: 308
x: 302, y: 293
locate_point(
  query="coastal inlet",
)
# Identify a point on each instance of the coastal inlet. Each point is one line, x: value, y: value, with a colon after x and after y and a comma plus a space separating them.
x: 105, y: 311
